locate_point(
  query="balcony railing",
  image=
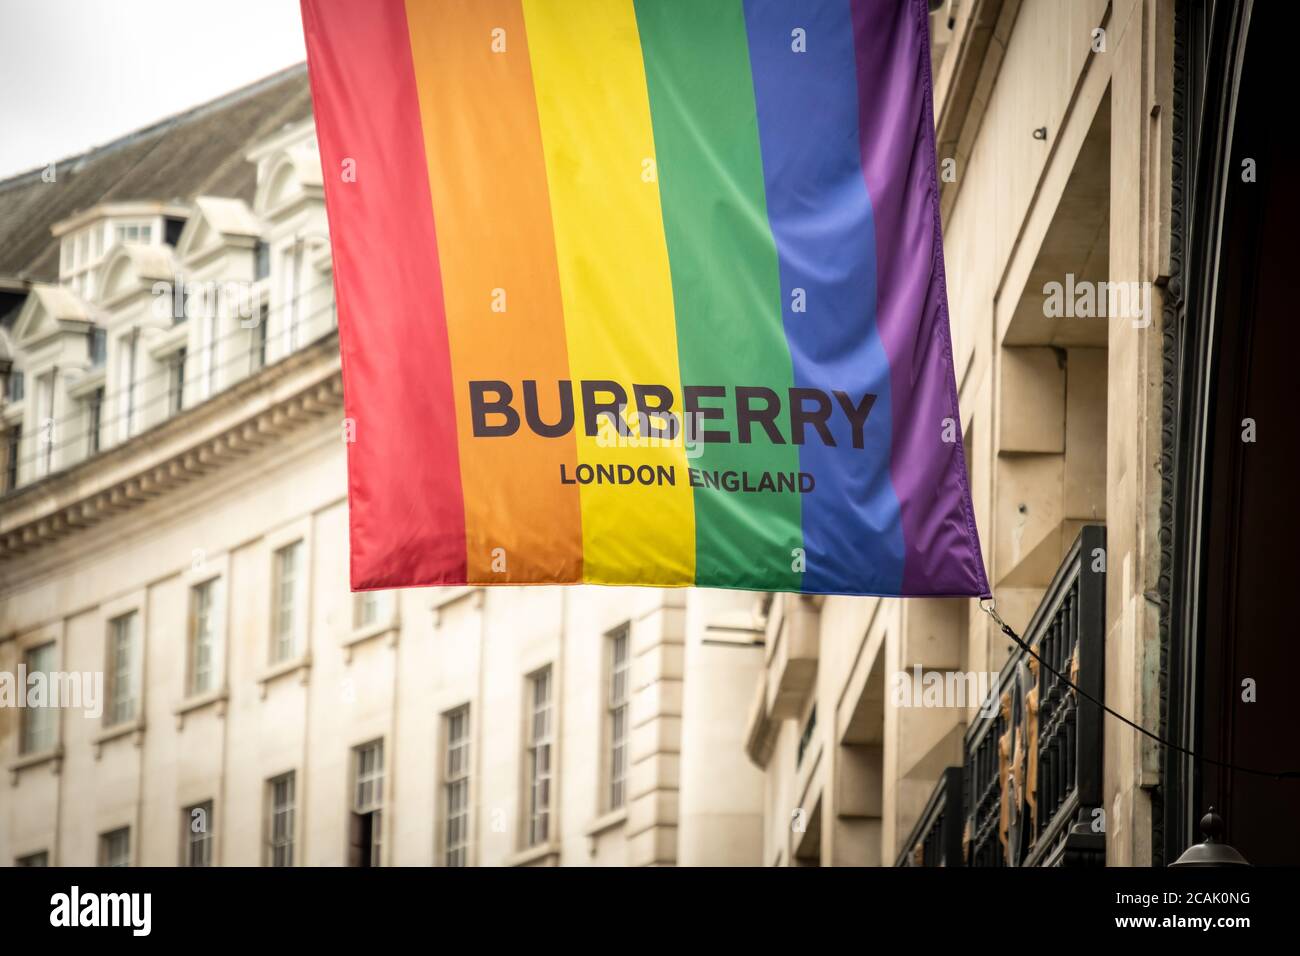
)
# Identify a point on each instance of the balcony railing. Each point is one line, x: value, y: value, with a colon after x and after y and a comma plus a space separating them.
x: 1031, y: 780
x: 1034, y: 771
x: 936, y: 838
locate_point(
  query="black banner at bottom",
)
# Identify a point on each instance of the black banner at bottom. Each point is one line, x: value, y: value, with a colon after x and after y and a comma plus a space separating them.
x: 656, y: 905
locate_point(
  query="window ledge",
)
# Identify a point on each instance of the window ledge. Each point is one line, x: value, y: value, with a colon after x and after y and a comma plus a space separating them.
x: 91, y: 380
x: 361, y: 635
x: 133, y: 727
x: 170, y: 340
x: 445, y: 597
x: 604, y: 823
x: 212, y: 698
x: 53, y: 755
x: 300, y: 665
x: 544, y: 854
x: 607, y: 821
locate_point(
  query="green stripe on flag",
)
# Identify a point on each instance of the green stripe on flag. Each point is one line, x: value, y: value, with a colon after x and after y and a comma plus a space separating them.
x: 725, y: 279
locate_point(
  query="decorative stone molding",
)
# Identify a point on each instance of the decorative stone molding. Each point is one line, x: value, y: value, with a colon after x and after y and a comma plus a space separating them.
x: 446, y: 597
x: 654, y: 742
x: 792, y: 649
x: 761, y: 728
x: 964, y: 86
x: 244, y: 418
x: 132, y: 728
x: 547, y: 854
x: 1173, y: 320
x: 389, y: 630
x: 300, y: 665
x: 215, y: 698
x: 601, y: 825
x: 53, y: 757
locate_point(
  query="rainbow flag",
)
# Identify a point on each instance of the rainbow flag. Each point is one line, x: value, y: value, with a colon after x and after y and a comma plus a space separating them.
x: 642, y: 292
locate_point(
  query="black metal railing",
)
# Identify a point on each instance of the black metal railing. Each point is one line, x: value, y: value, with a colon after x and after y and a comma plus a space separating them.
x: 936, y: 838
x: 1033, y: 769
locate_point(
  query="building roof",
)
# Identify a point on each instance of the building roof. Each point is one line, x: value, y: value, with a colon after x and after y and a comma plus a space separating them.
x: 198, y: 152
x: 230, y: 217
x: 148, y: 261
x: 60, y: 303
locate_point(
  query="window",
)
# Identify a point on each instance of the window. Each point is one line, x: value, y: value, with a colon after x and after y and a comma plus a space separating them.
x: 539, y: 757
x: 285, y: 602
x: 173, y: 226
x: 121, y: 670
x: 806, y: 736
x: 203, y: 637
x: 279, y: 823
x: 97, y: 347
x: 291, y: 266
x: 14, y: 386
x: 261, y: 261
x: 126, y: 414
x: 134, y: 232
x: 257, y: 346
x: 371, y: 608
x: 616, y: 712
x: 11, y: 456
x: 40, y: 723
x: 94, y: 420
x: 196, y: 846
x: 176, y: 381
x: 364, y: 838
x: 211, y: 335
x: 115, y: 847
x: 39, y: 858
x: 80, y: 254
x: 45, y: 409
x: 455, y: 787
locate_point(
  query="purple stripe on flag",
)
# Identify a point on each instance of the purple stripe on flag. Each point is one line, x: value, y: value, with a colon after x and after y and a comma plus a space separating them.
x: 896, y: 134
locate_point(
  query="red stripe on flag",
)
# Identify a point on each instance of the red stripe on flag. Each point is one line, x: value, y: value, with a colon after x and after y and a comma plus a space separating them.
x: 404, y: 486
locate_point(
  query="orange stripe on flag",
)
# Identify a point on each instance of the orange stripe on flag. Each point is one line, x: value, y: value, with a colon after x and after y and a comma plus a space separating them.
x: 487, y: 175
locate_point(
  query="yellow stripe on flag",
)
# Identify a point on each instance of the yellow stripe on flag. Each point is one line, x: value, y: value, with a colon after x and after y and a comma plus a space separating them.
x: 614, y: 276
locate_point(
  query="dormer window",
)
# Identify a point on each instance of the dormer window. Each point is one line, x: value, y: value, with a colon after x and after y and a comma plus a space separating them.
x: 14, y: 386
x: 87, y: 238
x: 133, y: 232
x: 79, y: 255
x: 80, y: 252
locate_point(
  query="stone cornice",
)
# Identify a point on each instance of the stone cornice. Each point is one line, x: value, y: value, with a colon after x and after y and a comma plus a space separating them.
x: 241, y: 419
x: 965, y: 84
x: 137, y: 208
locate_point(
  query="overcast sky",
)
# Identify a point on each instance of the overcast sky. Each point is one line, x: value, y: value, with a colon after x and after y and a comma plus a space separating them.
x: 79, y: 73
